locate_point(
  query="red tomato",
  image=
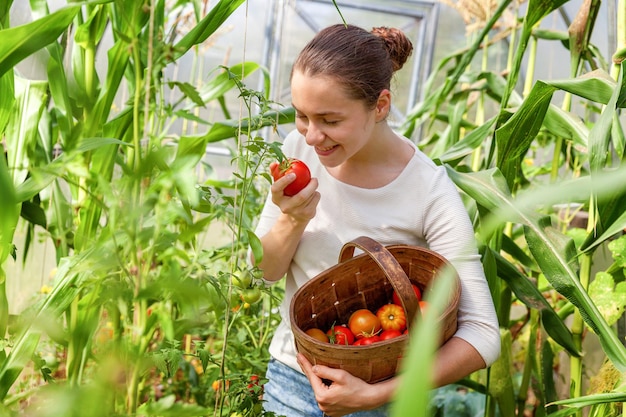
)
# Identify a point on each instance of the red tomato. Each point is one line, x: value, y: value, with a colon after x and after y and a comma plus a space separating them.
x: 340, y: 335
x: 390, y: 334
x: 363, y: 323
x: 288, y: 166
x: 392, y: 317
x: 254, y: 382
x: 318, y: 334
x: 368, y: 340
x: 416, y: 290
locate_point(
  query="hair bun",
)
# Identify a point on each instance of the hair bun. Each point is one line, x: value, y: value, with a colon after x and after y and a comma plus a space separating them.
x: 398, y: 45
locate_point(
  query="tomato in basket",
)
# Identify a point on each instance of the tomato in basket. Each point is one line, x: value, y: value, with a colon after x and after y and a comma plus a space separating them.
x: 363, y: 323
x: 340, y: 335
x: 318, y: 334
x: 392, y: 317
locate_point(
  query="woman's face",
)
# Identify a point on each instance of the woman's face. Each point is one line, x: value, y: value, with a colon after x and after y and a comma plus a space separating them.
x: 338, y: 127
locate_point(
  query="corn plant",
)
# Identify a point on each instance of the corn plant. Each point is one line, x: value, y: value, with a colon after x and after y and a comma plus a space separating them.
x: 530, y: 257
x: 144, y: 317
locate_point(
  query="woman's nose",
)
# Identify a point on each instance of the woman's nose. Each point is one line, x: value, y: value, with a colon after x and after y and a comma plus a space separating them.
x: 313, y: 135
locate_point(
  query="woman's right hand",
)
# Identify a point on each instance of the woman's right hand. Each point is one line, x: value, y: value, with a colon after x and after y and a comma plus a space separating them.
x: 300, y: 207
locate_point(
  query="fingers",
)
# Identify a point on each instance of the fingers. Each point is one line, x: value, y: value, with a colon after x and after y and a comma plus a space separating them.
x: 307, y: 368
x: 301, y: 205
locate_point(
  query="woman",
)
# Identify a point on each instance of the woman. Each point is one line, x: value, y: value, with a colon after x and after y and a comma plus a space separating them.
x: 367, y: 180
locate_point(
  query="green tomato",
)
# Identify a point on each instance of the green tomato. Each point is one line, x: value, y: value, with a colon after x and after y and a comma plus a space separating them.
x: 243, y: 280
x: 251, y: 295
x: 258, y: 273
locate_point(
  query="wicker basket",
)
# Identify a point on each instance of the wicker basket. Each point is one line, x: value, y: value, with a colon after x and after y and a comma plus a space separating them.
x: 359, y: 282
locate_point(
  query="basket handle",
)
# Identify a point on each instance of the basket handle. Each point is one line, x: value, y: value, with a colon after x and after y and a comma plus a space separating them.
x: 392, y: 269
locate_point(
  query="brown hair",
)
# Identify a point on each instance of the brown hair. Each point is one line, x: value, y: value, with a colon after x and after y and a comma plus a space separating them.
x: 363, y: 62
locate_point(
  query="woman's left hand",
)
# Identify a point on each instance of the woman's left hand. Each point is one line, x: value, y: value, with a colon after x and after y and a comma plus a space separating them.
x: 346, y: 393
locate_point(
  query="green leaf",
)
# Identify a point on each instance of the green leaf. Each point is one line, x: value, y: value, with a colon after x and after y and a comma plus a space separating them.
x: 255, y: 246
x: 538, y: 9
x: 22, y: 130
x: 567, y: 125
x: 7, y: 99
x: 188, y: 91
x: 529, y: 294
x: 469, y: 143
x: 515, y: 136
x: 588, y: 400
x: 207, y: 26
x: 600, y: 134
x: 33, y: 213
x: 227, y: 80
x: 608, y: 231
x: 9, y: 212
x: 597, y: 86
x: 608, y: 296
x: 610, y: 206
x: 618, y: 250
x: 32, y: 37
x: 555, y: 254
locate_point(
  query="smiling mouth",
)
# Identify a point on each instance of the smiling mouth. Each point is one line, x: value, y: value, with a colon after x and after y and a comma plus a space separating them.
x: 327, y: 149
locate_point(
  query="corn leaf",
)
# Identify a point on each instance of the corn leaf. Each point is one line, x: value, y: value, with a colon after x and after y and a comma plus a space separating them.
x: 554, y: 252
x: 31, y: 37
x: 207, y: 26
x: 514, y: 137
x: 529, y: 294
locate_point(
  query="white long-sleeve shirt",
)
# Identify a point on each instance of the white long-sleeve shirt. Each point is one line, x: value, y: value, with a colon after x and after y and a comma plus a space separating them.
x: 420, y: 207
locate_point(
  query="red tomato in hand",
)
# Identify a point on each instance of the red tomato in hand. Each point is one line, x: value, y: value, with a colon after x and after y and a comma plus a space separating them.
x: 390, y: 334
x: 368, y: 340
x: 288, y: 166
x: 416, y: 290
x: 392, y: 317
x: 340, y: 335
x: 363, y: 323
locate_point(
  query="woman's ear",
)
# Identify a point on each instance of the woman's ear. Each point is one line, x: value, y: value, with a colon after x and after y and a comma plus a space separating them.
x: 383, y: 105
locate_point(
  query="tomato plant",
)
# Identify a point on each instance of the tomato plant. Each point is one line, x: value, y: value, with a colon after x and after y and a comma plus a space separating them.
x: 317, y: 334
x: 396, y: 298
x: 392, y: 317
x: 288, y: 166
x: 363, y: 323
x: 340, y: 335
x: 254, y: 386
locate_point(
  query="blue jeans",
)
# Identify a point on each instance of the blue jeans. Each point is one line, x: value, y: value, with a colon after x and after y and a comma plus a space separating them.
x: 288, y: 393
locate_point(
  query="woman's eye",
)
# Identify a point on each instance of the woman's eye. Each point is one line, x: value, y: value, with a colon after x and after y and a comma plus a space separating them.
x: 331, y: 122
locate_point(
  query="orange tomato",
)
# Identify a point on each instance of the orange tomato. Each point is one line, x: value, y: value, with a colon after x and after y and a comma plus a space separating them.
x: 392, y: 317
x: 364, y: 323
x: 317, y: 334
